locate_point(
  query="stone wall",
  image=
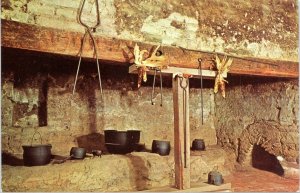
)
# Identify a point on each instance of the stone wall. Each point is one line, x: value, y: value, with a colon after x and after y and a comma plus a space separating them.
x: 262, y: 29
x: 259, y: 111
x: 37, y: 95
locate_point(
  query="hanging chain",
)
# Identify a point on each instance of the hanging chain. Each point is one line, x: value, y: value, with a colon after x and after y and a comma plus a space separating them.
x: 184, y: 99
x: 89, y: 31
x: 201, y: 87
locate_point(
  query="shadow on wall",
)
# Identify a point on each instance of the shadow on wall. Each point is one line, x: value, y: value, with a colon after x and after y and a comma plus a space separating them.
x: 140, y: 173
x: 261, y: 159
x: 92, y: 141
x: 86, y: 87
x: 9, y: 159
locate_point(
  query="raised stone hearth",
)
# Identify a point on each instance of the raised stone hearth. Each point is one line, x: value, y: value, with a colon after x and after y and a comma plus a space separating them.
x: 130, y: 172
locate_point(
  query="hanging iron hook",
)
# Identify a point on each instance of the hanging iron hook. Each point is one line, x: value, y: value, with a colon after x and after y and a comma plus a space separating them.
x: 152, y: 93
x: 161, y: 98
x: 89, y: 32
x: 153, y: 86
x: 201, y: 89
x: 93, y: 28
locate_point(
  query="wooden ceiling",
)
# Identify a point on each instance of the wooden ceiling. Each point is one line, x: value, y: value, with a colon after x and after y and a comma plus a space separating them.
x: 49, y: 40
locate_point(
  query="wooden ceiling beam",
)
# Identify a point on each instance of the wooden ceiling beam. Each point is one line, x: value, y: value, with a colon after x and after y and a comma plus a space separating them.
x: 49, y: 40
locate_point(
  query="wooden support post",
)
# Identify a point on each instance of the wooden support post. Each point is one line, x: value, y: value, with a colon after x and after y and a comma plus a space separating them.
x: 181, y: 132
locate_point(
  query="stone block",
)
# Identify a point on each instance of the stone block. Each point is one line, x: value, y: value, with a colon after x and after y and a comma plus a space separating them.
x: 20, y: 17
x: 38, y: 8
x: 62, y: 3
x: 58, y: 23
x: 68, y: 13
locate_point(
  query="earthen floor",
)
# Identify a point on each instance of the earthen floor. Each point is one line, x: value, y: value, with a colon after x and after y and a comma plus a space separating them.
x: 255, y: 180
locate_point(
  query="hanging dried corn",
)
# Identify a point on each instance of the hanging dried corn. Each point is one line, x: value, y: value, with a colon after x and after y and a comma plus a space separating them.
x: 222, y: 67
x: 144, y: 64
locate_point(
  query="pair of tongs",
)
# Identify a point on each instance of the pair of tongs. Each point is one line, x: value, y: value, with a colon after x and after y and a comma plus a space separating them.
x: 152, y: 93
x: 88, y: 31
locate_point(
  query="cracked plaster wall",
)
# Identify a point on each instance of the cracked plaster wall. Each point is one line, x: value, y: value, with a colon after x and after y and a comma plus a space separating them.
x: 262, y: 29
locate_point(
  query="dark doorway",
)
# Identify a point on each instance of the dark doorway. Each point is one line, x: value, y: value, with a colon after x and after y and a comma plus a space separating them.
x: 261, y: 159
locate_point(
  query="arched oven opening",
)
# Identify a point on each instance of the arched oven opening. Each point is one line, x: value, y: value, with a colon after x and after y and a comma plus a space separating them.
x: 261, y: 159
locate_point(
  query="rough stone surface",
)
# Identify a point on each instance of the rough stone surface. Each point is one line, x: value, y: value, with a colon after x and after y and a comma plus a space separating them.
x: 39, y: 98
x: 263, y: 29
x: 130, y: 172
x: 261, y: 112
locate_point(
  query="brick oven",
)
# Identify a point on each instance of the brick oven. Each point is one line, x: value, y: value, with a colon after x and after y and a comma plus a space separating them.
x: 249, y: 126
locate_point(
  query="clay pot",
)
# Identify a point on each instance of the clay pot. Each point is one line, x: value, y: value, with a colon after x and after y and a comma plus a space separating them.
x: 161, y: 147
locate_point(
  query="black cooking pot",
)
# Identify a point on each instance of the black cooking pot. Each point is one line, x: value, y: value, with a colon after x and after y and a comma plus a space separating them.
x: 215, y: 177
x: 161, y: 147
x: 118, y: 148
x: 121, y: 142
x: 109, y: 136
x: 36, y: 155
x: 198, y: 144
x: 77, y: 152
x: 134, y: 136
x: 118, y: 137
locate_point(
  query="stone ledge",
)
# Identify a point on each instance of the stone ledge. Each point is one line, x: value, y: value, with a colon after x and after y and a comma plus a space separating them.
x: 130, y: 172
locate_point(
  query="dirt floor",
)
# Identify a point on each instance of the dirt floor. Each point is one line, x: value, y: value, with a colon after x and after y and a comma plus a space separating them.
x: 255, y: 180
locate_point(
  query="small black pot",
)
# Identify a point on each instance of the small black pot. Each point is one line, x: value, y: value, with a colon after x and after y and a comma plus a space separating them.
x: 215, y: 177
x: 36, y: 155
x: 77, y: 153
x: 161, y: 147
x: 198, y: 144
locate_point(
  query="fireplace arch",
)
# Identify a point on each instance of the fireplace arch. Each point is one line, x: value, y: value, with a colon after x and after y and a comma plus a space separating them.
x: 259, y: 145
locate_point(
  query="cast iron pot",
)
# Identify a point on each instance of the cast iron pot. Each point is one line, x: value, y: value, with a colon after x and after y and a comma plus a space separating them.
x: 121, y: 142
x: 215, y: 177
x: 109, y: 136
x: 161, y: 147
x: 77, y: 152
x: 134, y: 136
x: 198, y: 144
x: 117, y: 137
x: 36, y: 155
x: 122, y: 137
x: 119, y: 148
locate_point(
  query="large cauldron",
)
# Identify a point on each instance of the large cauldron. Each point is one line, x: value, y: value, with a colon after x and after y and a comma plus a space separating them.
x: 36, y: 155
x: 121, y: 142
